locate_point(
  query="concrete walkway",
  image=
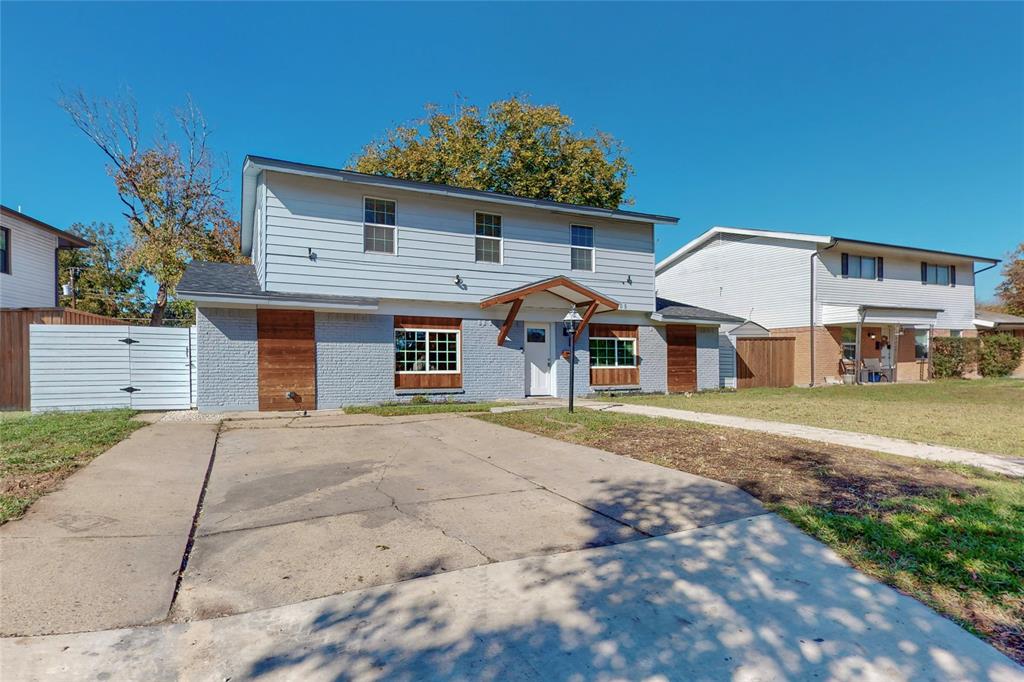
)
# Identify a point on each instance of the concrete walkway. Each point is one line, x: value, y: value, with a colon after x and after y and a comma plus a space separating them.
x: 105, y: 549
x: 752, y: 599
x: 1009, y: 466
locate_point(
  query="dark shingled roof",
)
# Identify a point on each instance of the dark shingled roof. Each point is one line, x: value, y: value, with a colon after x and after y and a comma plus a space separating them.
x: 673, y: 310
x: 239, y: 281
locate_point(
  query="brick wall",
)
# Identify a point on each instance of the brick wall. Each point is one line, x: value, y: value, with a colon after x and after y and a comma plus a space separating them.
x: 355, y: 359
x: 653, y: 360
x: 827, y: 353
x: 561, y: 365
x: 491, y: 371
x: 226, y: 372
x: 707, y: 358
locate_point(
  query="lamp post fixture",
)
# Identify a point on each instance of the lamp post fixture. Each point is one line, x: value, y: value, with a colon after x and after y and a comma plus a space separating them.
x: 571, y: 322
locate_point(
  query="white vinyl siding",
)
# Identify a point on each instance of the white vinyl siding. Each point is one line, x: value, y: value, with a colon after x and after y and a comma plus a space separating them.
x: 32, y: 280
x: 901, y: 287
x: 763, y: 279
x: 438, y: 241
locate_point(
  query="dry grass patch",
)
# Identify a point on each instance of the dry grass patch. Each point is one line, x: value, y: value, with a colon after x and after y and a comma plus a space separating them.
x: 948, y: 535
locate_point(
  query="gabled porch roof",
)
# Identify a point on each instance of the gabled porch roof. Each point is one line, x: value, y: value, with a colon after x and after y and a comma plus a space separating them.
x: 560, y: 286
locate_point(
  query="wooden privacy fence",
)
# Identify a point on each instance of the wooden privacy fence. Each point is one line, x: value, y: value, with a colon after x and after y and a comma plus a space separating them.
x: 93, y: 367
x: 14, y: 349
x: 764, y: 362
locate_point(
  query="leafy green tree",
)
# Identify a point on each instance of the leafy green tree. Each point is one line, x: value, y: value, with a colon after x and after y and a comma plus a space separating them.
x: 172, y: 190
x: 1011, y: 289
x: 103, y: 283
x: 514, y: 147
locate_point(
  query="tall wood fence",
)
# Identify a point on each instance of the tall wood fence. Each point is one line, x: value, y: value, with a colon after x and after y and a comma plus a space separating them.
x: 15, y: 392
x: 765, y: 362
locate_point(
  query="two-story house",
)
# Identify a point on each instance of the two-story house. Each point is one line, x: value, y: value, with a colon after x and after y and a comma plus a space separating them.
x: 28, y: 260
x: 365, y: 288
x: 846, y: 302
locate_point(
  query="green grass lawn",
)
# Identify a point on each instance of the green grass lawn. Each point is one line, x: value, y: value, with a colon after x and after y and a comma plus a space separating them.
x: 949, y: 535
x: 986, y: 415
x: 38, y: 451
x: 402, y: 409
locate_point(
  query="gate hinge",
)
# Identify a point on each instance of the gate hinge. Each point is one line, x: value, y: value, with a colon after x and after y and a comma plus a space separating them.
x: 129, y: 340
x: 130, y: 389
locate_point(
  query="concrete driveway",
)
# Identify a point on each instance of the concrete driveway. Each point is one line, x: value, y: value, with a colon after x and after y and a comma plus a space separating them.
x: 304, y: 508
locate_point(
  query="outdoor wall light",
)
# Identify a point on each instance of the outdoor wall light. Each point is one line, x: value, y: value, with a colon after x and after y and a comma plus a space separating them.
x: 457, y: 281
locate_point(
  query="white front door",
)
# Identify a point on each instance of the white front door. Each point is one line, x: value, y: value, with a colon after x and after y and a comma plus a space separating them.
x: 538, y: 358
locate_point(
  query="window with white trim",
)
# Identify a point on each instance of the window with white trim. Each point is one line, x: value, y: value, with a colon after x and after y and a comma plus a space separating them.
x: 582, y: 248
x: 608, y: 351
x: 488, y: 238
x: 427, y: 351
x: 378, y: 225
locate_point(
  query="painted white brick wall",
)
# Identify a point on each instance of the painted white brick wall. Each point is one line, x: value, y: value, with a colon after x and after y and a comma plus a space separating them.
x: 490, y: 371
x: 226, y: 373
x: 653, y: 360
x: 707, y: 358
x: 354, y: 359
x: 582, y: 375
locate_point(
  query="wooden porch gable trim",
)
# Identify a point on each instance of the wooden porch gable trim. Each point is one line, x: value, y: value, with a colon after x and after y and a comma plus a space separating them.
x: 547, y: 284
x: 591, y: 309
x: 509, y: 319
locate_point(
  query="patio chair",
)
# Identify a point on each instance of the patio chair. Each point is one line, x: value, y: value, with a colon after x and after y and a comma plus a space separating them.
x: 874, y: 366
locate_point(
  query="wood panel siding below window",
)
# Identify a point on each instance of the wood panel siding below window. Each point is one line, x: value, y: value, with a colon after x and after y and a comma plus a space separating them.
x: 616, y: 376
x: 682, y: 357
x: 286, y: 354
x: 430, y: 380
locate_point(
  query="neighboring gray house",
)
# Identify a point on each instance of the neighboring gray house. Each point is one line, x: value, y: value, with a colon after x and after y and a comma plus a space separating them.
x: 821, y: 290
x: 366, y: 288
x: 28, y: 260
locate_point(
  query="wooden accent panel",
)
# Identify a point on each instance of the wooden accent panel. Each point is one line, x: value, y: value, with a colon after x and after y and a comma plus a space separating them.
x: 618, y: 331
x: 414, y: 322
x: 428, y: 380
x: 560, y: 281
x: 682, y: 357
x: 15, y: 390
x: 591, y: 309
x: 614, y: 376
x: 765, y: 362
x: 286, y: 359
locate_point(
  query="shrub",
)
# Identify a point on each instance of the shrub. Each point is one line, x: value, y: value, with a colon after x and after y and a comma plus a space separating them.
x: 420, y: 400
x: 999, y: 355
x: 952, y: 356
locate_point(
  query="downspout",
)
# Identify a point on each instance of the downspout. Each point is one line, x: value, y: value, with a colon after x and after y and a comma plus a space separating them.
x: 816, y: 252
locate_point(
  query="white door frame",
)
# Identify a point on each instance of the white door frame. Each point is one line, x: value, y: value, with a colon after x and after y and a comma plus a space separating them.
x: 550, y: 341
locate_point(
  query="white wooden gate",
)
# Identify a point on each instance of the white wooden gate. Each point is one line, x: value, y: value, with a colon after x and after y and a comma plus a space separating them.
x: 95, y: 367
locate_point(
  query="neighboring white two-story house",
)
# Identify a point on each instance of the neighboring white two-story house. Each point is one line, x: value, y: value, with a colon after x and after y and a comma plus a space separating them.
x: 366, y: 288
x: 822, y: 289
x: 28, y: 260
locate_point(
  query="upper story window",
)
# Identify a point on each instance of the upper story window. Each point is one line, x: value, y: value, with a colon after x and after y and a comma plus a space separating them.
x: 378, y: 225
x: 943, y: 275
x: 582, y: 255
x: 488, y: 238
x: 862, y: 267
x: 5, y: 250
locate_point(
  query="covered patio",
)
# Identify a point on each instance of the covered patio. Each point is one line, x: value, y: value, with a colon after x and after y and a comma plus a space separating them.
x: 881, y: 344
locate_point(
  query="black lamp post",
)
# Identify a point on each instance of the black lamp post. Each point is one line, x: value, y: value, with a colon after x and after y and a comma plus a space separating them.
x: 571, y: 322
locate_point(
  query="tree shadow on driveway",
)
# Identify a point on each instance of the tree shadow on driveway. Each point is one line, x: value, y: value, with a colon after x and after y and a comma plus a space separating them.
x: 748, y: 599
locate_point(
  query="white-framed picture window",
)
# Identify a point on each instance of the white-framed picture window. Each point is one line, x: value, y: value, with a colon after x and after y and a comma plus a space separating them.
x: 427, y: 351
x: 582, y: 248
x: 378, y: 225
x: 489, y: 243
x: 608, y: 351
x: 921, y: 344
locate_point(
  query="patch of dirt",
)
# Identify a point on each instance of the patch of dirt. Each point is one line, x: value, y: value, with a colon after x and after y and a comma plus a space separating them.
x: 776, y: 469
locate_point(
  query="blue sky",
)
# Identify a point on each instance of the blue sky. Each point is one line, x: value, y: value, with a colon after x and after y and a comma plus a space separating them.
x: 900, y: 123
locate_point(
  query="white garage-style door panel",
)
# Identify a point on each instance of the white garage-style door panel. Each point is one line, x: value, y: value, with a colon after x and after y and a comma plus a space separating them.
x: 95, y: 367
